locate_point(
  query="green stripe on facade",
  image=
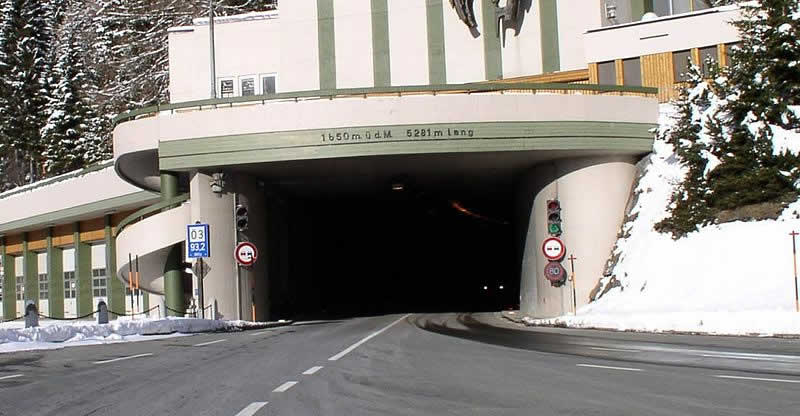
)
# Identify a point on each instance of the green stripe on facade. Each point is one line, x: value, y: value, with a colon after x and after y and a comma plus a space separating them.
x: 437, y: 65
x: 634, y: 138
x: 638, y: 9
x: 381, y: 58
x: 83, y: 273
x: 138, y: 198
x: 55, y: 277
x: 548, y: 16
x: 30, y: 266
x: 9, y: 285
x: 116, y: 297
x: 492, y: 51
x: 327, y: 45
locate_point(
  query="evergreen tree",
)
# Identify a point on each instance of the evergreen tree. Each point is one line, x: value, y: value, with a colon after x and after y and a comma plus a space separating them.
x: 70, y: 140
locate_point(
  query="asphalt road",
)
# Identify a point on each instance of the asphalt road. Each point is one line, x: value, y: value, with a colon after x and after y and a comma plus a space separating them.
x: 443, y: 364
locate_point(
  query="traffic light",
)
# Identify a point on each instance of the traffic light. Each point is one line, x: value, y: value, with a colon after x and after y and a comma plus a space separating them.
x: 554, y: 217
x: 241, y: 217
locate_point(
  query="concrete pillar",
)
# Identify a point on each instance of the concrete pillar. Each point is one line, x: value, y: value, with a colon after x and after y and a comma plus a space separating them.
x: 30, y: 266
x: 593, y: 193
x: 116, y: 297
x: 173, y: 273
x: 83, y: 272
x: 55, y: 274
x: 9, y: 284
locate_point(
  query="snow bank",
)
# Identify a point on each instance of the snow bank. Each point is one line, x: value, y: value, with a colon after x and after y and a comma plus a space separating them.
x: 58, y: 334
x: 734, y: 278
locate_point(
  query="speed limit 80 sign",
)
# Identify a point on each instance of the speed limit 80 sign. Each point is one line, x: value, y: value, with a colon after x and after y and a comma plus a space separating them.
x: 197, y: 241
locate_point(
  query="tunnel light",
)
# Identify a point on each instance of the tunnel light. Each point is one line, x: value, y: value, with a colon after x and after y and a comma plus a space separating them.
x: 486, y: 288
x: 398, y: 187
x: 501, y: 287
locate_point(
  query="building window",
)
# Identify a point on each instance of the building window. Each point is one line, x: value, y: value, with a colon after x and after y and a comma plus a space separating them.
x: 729, y: 49
x: 227, y: 88
x: 680, y: 63
x: 632, y: 71
x: 670, y: 7
x: 708, y: 59
x: 607, y: 73
x: 99, y: 283
x: 44, y: 286
x: 248, y: 86
x: 267, y: 84
x: 70, y: 285
x: 20, y: 287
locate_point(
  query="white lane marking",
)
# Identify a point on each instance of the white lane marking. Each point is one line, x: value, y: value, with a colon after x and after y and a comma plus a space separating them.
x: 367, y: 338
x: 11, y: 376
x: 252, y: 408
x: 780, y: 380
x: 203, y: 344
x: 259, y: 333
x: 612, y: 349
x: 124, y: 358
x: 608, y: 367
x: 737, y: 357
x: 285, y: 386
x: 312, y: 370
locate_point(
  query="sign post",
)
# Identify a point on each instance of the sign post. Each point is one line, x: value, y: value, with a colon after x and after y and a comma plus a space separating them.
x: 572, y: 259
x: 794, y: 235
x: 199, y: 247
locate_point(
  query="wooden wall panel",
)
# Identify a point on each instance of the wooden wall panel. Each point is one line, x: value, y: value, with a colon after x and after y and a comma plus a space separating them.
x: 14, y: 244
x: 93, y: 230
x: 37, y: 240
x: 619, y: 71
x: 594, y: 78
x: 62, y: 235
x: 657, y: 72
x: 722, y: 55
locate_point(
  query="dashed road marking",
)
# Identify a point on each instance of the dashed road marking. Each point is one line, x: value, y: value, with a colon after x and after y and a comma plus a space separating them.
x: 203, y: 344
x: 312, y: 370
x: 10, y: 377
x: 285, y: 386
x: 612, y: 349
x: 251, y: 409
x: 260, y: 333
x: 779, y: 380
x: 609, y: 367
x: 367, y: 338
x: 123, y: 358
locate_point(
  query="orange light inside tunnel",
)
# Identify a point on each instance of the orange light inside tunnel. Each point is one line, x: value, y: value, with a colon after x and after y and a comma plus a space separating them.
x: 460, y: 208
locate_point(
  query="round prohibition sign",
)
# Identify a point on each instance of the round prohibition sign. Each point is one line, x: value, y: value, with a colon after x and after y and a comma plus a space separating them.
x: 554, y: 249
x: 245, y: 254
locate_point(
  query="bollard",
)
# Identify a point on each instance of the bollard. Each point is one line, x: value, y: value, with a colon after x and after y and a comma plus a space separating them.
x: 102, y: 313
x: 31, y: 314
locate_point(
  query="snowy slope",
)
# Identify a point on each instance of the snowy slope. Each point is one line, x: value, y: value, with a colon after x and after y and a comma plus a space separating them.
x: 733, y: 278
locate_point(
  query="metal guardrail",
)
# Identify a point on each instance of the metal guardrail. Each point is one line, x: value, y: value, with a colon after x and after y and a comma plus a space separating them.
x: 472, y: 88
x: 147, y: 211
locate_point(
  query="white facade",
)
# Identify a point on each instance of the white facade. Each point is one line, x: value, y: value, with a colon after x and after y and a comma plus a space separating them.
x: 20, y: 289
x: 70, y: 283
x: 100, y: 283
x: 44, y: 283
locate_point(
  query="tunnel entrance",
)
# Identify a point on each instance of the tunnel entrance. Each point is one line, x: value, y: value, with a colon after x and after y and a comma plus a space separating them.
x: 388, y: 243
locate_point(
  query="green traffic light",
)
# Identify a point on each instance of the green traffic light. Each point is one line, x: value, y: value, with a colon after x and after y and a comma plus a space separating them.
x: 555, y: 229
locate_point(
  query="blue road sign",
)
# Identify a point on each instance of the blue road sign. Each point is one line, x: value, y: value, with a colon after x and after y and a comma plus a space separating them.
x: 198, y: 241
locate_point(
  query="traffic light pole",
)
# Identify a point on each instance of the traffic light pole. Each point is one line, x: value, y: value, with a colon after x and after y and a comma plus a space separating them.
x: 236, y: 264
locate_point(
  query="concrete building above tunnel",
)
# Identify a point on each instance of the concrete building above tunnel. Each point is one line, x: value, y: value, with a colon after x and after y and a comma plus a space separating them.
x: 392, y: 155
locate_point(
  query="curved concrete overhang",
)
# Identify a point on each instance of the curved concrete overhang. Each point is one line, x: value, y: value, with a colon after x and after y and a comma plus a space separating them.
x: 386, y: 125
x: 151, y: 239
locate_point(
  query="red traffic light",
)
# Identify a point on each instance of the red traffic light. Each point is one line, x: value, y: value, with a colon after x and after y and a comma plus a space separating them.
x: 553, y: 205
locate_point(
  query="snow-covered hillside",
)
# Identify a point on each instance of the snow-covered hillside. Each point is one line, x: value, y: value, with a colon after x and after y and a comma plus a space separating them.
x: 732, y: 278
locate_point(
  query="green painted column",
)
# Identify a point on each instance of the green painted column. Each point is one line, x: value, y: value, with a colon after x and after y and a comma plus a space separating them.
x: 116, y: 298
x: 30, y: 267
x: 9, y: 285
x: 437, y: 65
x: 326, y: 36
x: 83, y: 273
x: 381, y: 58
x: 173, y: 275
x: 548, y: 15
x: 55, y: 274
x: 492, y: 48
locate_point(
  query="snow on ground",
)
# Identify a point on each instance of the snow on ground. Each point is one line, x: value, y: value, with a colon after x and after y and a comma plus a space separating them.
x: 734, y: 278
x: 59, y: 334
